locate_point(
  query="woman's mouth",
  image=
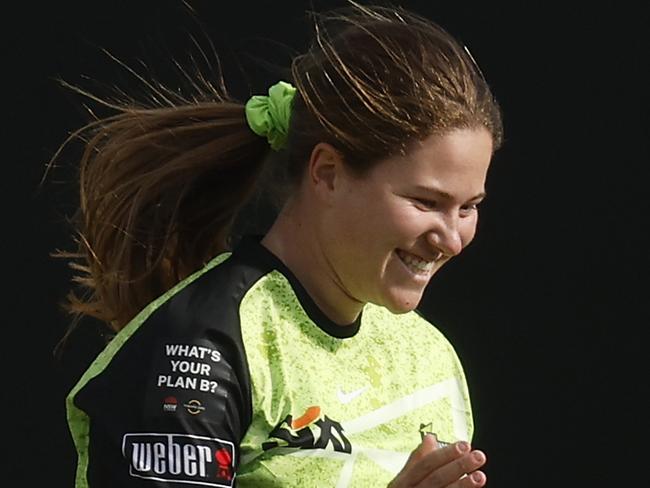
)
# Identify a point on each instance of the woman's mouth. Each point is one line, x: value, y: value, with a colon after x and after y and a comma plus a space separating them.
x: 415, y: 263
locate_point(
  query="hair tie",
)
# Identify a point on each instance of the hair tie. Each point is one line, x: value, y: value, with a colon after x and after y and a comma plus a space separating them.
x: 269, y: 115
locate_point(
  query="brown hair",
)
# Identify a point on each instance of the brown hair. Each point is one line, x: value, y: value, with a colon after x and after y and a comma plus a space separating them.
x: 161, y: 185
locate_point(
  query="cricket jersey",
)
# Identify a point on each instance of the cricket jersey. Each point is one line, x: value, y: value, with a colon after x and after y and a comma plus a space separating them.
x: 235, y: 377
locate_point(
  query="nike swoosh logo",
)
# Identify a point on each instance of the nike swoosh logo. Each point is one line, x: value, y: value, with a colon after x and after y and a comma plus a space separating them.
x: 348, y: 397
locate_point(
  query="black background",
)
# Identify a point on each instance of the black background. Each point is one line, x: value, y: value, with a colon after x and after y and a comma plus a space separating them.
x: 545, y: 307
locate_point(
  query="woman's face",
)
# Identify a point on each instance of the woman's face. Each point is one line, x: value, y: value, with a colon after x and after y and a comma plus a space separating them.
x: 389, y: 232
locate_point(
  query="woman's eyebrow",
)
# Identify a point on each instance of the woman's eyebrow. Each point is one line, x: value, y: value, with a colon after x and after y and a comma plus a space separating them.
x: 444, y: 194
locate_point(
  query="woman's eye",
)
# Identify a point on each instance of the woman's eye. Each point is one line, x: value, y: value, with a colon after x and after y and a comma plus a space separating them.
x: 466, y: 209
x: 428, y: 204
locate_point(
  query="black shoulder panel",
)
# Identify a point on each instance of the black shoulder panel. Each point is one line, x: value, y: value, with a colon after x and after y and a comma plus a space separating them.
x: 173, y: 404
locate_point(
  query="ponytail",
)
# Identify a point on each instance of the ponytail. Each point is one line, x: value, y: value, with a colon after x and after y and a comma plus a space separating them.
x: 159, y: 191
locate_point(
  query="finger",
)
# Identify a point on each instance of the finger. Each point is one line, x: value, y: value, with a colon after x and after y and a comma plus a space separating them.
x: 477, y: 479
x: 434, y: 460
x: 428, y: 444
x: 456, y: 470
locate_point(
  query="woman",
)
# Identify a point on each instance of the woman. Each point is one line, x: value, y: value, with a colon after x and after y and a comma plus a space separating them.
x: 295, y: 358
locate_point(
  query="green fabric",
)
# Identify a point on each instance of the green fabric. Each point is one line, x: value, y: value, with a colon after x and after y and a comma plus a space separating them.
x: 269, y: 115
x: 78, y: 420
x: 400, y: 373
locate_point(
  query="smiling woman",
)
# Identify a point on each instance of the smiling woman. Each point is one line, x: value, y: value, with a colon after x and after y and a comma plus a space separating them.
x: 295, y: 358
x: 423, y: 213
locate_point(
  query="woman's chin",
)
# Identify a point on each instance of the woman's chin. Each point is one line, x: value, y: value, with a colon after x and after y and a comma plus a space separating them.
x: 403, y: 302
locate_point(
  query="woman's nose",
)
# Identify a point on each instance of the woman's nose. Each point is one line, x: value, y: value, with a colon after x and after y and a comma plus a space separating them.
x: 445, y: 236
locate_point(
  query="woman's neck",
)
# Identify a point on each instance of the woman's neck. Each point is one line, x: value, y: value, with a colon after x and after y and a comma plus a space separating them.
x: 295, y: 243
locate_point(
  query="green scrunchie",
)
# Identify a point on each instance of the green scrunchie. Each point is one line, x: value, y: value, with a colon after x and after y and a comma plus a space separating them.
x: 269, y: 116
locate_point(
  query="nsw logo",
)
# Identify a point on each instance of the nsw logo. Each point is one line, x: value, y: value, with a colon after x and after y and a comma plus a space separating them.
x: 180, y: 458
x: 170, y: 404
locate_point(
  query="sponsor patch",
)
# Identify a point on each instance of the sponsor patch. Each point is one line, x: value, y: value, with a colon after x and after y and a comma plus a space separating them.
x: 194, y: 407
x: 170, y: 404
x: 189, y: 379
x: 312, y: 430
x: 180, y: 458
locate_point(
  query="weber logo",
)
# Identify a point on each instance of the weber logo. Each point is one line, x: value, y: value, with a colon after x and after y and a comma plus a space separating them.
x: 180, y: 458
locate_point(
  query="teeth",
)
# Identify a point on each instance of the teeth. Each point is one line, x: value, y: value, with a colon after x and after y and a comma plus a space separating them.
x: 416, y: 263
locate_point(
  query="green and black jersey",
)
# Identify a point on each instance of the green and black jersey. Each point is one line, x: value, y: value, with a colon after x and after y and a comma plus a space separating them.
x: 235, y: 378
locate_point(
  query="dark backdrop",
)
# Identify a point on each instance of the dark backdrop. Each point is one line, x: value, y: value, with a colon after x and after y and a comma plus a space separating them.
x: 545, y: 308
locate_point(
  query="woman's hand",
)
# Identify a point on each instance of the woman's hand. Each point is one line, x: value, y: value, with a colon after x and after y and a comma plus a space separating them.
x: 452, y: 466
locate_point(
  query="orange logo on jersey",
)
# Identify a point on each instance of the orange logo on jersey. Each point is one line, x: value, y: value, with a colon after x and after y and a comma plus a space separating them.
x: 312, y: 430
x: 309, y: 417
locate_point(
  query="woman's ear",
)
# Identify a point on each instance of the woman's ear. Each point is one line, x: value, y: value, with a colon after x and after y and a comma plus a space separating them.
x: 325, y: 171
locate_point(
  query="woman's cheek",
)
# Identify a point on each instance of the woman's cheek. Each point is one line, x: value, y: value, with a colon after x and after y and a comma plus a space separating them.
x: 410, y: 222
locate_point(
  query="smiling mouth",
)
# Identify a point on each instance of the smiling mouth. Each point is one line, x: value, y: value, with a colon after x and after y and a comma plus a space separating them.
x: 416, y: 264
